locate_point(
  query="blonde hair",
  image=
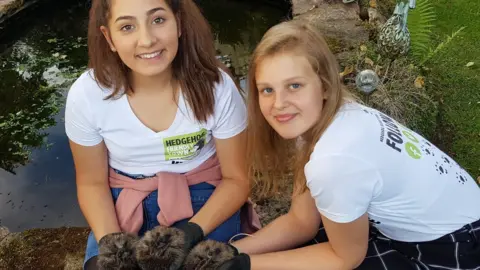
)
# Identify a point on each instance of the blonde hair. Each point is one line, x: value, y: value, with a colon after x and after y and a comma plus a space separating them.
x: 269, y: 154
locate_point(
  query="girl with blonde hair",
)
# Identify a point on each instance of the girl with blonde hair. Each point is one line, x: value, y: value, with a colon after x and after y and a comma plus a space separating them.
x: 371, y: 193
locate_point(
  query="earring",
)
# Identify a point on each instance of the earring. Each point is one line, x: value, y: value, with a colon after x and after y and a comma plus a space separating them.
x: 113, y: 49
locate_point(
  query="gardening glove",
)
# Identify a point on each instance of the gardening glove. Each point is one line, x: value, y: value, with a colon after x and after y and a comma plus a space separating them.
x: 117, y: 251
x: 239, y: 262
x: 209, y: 254
x: 166, y: 247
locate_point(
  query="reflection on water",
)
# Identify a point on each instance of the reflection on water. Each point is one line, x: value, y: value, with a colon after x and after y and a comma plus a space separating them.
x: 40, y: 56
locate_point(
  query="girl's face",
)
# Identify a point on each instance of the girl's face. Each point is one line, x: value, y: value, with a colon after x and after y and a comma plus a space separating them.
x: 290, y: 94
x: 144, y: 33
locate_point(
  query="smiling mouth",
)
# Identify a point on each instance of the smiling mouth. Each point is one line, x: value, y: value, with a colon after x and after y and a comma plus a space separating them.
x: 150, y: 55
x: 285, y: 117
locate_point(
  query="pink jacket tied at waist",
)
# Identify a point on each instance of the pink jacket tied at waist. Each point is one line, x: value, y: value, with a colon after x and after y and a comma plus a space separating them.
x: 173, y: 196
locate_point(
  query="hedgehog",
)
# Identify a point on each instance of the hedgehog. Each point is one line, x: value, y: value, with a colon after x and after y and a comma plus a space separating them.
x: 117, y: 251
x: 161, y: 248
x: 209, y: 254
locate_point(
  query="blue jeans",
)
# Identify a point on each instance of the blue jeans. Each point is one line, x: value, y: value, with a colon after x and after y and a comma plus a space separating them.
x: 199, y: 195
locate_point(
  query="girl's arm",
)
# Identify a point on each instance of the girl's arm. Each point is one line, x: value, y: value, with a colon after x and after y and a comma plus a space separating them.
x: 346, y: 249
x: 291, y: 230
x: 232, y: 193
x: 93, y: 190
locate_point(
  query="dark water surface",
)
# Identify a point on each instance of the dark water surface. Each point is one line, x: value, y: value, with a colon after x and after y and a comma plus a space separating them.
x: 41, y: 53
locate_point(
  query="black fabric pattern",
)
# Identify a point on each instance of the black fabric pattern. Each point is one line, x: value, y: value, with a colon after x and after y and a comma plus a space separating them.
x: 457, y: 250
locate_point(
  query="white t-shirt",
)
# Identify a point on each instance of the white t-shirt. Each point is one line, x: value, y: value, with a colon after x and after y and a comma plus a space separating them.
x: 367, y: 162
x: 136, y: 149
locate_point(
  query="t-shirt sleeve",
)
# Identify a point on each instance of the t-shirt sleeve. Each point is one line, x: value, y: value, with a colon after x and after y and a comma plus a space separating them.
x: 79, y: 117
x: 230, y: 110
x: 342, y: 186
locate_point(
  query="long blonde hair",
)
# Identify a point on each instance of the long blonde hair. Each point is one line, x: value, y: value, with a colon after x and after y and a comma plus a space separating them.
x: 270, y: 156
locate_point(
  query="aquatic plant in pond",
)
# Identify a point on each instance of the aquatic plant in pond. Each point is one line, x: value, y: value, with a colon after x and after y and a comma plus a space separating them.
x: 31, y: 96
x: 24, y: 128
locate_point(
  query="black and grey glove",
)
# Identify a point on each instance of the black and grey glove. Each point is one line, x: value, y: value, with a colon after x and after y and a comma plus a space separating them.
x: 117, y: 251
x: 167, y: 247
x: 211, y: 254
x: 239, y: 262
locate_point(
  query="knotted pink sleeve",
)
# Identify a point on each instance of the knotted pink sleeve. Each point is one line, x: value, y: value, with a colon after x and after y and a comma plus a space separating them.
x: 173, y: 198
x: 129, y: 207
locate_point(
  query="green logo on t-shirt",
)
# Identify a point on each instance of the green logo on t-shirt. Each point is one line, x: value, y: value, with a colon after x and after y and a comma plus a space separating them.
x: 413, y: 150
x: 394, y: 138
x: 184, y: 146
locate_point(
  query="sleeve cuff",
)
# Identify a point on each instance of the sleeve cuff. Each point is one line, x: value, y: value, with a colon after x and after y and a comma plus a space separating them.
x: 339, y: 218
x: 230, y: 133
x: 83, y: 142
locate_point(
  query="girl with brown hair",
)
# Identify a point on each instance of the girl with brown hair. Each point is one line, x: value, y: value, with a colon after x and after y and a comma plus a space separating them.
x: 156, y: 131
x: 382, y: 195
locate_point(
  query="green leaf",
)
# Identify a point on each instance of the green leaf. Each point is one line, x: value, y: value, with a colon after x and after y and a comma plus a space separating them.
x: 420, y: 25
x: 440, y: 46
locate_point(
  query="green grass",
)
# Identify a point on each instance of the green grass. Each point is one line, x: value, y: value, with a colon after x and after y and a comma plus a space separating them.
x: 456, y: 86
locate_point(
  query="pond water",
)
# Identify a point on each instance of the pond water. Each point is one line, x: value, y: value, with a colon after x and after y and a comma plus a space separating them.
x: 41, y: 53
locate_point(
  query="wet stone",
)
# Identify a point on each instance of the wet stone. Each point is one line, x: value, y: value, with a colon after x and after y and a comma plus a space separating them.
x: 3, y: 232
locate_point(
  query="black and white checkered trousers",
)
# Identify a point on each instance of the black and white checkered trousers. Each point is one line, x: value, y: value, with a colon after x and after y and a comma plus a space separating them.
x: 457, y: 250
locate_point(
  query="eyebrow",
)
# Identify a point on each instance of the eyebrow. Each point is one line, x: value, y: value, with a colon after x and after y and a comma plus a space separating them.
x: 150, y: 12
x: 294, y: 78
x: 287, y: 80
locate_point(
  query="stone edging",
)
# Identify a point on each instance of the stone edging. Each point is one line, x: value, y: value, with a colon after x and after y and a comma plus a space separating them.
x: 9, y: 8
x: 4, y: 232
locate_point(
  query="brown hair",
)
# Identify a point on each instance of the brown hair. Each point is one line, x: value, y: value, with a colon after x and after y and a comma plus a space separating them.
x: 195, y: 65
x: 269, y: 153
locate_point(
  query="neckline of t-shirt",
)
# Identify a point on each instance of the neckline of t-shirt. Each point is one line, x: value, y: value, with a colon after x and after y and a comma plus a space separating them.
x: 175, y: 123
